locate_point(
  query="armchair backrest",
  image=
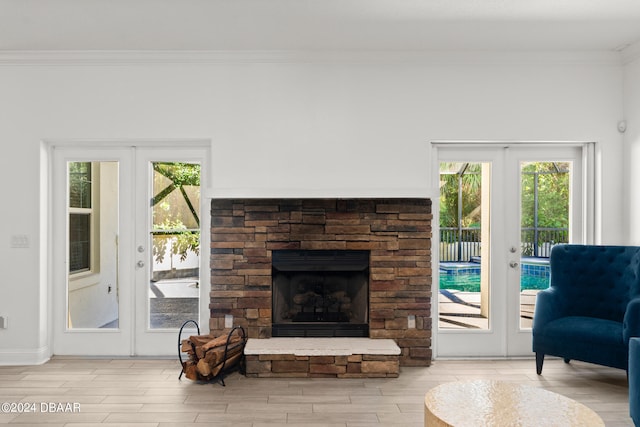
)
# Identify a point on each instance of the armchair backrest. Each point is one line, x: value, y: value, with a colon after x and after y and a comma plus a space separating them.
x: 595, y: 281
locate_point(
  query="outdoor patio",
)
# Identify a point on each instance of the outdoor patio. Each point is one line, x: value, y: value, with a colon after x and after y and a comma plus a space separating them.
x: 461, y: 310
x: 172, y: 301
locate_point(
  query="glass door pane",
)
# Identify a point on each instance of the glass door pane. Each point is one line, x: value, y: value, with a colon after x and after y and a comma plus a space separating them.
x: 92, y: 242
x: 174, y: 237
x: 544, y: 221
x: 465, y: 288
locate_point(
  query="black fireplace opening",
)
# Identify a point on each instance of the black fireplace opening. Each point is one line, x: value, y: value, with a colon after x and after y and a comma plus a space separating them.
x: 320, y: 293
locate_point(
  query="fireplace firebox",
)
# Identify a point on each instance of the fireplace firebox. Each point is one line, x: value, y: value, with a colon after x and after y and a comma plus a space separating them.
x: 320, y: 293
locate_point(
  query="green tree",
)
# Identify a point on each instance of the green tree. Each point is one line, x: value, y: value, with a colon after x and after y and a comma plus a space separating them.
x: 469, y: 177
x: 552, y: 194
x: 175, y: 215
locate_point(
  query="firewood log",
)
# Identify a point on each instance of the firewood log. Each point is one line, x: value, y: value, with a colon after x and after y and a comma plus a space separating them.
x: 230, y: 362
x: 339, y: 295
x: 191, y: 371
x: 200, y: 339
x: 215, y: 355
x: 203, y: 368
x: 308, y: 297
x: 220, y: 341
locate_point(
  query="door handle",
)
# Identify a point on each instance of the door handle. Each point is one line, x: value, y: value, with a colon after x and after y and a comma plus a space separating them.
x: 513, y: 264
x: 140, y: 264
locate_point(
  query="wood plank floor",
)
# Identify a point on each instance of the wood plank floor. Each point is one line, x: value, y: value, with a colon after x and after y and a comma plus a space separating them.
x: 147, y: 393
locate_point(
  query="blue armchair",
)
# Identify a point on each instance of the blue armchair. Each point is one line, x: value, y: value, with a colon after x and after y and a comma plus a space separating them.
x: 592, y: 306
x: 634, y: 380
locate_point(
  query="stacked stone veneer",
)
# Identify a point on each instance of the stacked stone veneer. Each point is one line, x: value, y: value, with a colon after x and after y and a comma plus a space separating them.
x: 397, y: 232
x: 354, y: 366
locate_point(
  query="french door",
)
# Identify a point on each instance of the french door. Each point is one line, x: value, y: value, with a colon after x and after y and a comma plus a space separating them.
x: 502, y: 207
x: 126, y: 248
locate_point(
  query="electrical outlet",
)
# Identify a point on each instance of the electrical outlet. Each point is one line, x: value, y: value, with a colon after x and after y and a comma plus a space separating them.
x: 228, y: 321
x: 3, y: 322
x: 411, y: 320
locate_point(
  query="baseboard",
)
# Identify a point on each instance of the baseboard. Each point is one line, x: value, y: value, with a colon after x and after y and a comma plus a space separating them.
x: 12, y: 357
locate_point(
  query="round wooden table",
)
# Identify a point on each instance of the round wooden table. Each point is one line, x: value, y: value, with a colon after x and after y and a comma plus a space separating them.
x: 497, y: 403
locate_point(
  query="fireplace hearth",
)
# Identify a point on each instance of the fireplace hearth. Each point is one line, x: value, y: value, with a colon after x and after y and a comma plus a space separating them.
x: 320, y: 293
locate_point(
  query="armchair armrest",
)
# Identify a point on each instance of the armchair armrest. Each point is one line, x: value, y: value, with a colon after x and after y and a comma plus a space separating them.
x: 631, y: 321
x: 549, y: 306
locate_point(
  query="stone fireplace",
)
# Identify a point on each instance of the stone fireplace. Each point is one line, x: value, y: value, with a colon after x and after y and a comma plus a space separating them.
x: 379, y: 257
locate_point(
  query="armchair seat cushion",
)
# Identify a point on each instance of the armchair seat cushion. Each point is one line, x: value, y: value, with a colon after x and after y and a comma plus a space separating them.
x: 584, y: 338
x: 587, y: 330
x: 634, y: 380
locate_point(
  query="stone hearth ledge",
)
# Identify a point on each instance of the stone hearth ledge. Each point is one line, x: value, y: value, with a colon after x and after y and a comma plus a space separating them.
x: 322, y: 346
x: 322, y: 357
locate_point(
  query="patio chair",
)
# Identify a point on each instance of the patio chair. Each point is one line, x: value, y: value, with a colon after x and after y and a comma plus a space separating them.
x: 592, y: 307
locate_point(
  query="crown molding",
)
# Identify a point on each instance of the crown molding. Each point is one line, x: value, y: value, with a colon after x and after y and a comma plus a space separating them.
x: 427, y: 57
x: 187, y: 143
x: 319, y: 193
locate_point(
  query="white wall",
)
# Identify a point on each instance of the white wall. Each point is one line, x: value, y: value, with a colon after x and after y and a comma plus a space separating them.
x: 308, y: 128
x: 632, y: 148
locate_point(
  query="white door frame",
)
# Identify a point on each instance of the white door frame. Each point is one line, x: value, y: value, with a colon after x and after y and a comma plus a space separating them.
x: 588, y: 232
x: 82, y: 150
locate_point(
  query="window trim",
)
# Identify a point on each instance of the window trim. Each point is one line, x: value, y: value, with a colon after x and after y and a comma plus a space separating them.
x: 83, y: 278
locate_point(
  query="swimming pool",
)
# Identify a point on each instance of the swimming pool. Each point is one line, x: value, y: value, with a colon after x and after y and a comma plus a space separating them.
x: 466, y: 276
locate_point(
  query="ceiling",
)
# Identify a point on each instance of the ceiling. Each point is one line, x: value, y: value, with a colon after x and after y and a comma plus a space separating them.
x: 443, y: 25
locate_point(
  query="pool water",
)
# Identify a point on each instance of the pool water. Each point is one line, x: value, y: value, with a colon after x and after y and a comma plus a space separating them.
x: 471, y: 282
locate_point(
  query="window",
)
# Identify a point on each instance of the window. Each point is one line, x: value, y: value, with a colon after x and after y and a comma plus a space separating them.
x: 81, y: 217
